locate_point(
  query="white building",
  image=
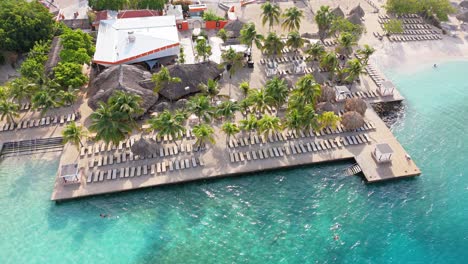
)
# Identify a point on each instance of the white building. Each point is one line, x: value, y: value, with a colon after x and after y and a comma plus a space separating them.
x: 132, y: 40
x: 341, y: 93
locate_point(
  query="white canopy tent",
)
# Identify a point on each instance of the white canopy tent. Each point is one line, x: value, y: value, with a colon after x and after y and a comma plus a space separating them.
x: 386, y: 88
x: 69, y: 173
x: 341, y: 93
x: 383, y: 153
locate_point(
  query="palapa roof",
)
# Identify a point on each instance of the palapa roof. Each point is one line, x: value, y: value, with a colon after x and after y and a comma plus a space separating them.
x: 318, y: 76
x: 338, y: 12
x: 124, y: 78
x: 355, y: 19
x: 463, y: 16
x: 357, y: 10
x: 356, y: 104
x: 233, y: 28
x: 54, y: 55
x: 326, y: 107
x: 191, y: 75
x: 352, y: 120
x: 144, y: 147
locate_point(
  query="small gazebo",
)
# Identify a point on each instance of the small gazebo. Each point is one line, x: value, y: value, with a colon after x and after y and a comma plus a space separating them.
x: 382, y: 153
x: 341, y: 93
x: 69, y: 173
x: 386, y: 88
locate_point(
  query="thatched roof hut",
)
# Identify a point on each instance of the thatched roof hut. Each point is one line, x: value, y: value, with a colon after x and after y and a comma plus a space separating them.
x: 191, y: 75
x: 463, y: 16
x: 358, y: 11
x: 327, y: 95
x: 144, y: 147
x: 352, y: 120
x: 464, y: 4
x: 355, y: 19
x: 338, y: 12
x: 326, y: 107
x: 233, y: 28
x: 122, y: 78
x: 53, y: 56
x: 356, y: 104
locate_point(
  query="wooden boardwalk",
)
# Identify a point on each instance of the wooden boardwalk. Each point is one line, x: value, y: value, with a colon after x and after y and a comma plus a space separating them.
x: 217, y: 163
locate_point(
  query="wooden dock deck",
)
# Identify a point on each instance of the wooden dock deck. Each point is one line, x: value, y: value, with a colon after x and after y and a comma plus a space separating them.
x: 218, y: 164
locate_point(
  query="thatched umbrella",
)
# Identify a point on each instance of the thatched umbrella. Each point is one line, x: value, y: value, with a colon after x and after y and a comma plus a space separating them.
x: 338, y: 12
x: 355, y: 19
x: 356, y: 104
x: 161, y: 106
x: 327, y: 95
x: 352, y: 120
x: 326, y: 107
x: 180, y: 104
x: 464, y: 4
x: 358, y: 11
x: 143, y: 147
x: 463, y: 16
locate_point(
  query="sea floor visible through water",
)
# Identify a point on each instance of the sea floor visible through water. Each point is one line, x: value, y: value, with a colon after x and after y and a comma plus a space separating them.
x: 305, y: 215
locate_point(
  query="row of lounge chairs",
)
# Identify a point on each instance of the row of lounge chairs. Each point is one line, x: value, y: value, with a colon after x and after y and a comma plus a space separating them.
x: 118, y: 158
x: 330, y: 43
x: 400, y: 38
x: 283, y: 59
x: 39, y: 122
x: 371, y: 3
x: 418, y: 32
x: 404, y: 21
x: 27, y: 106
x: 97, y: 148
x: 411, y: 16
x: 298, y: 148
x: 375, y: 76
x: 235, y: 142
x: 157, y: 168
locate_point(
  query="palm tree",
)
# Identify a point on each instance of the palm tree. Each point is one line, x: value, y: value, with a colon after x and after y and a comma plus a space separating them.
x: 309, y: 89
x: 8, y: 110
x: 44, y: 100
x: 68, y: 97
x: 295, y: 41
x: 244, y: 106
x: 270, y: 14
x: 353, y: 69
x: 230, y: 129
x: 324, y: 18
x: 277, y: 91
x: 201, y: 107
x: 315, y: 51
x: 294, y: 120
x: 4, y: 92
x: 126, y: 103
x: 227, y: 109
x: 328, y: 119
x: 233, y: 61
x: 329, y: 62
x: 310, y: 118
x: 292, y: 18
x: 249, y: 36
x: 203, y: 133
x: 346, y: 41
x: 273, y: 44
x: 109, y: 125
x: 211, y: 88
x: 245, y: 88
x: 21, y: 88
x: 269, y: 124
x: 249, y: 124
x: 167, y: 124
x: 162, y: 78
x: 260, y: 100
x: 203, y: 49
x: 365, y: 53
x: 73, y: 133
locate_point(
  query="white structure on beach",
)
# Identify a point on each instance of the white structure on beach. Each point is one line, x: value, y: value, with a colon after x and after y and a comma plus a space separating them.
x: 341, y: 93
x: 386, y: 88
x: 299, y: 66
x: 132, y: 40
x: 382, y: 153
x: 69, y: 173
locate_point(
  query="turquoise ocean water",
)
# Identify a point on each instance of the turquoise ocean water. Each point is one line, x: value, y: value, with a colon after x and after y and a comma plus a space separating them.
x: 288, y: 216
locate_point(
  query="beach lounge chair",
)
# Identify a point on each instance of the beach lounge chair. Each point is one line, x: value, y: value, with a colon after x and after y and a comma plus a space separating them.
x: 158, y: 167
x: 293, y: 149
x: 89, y: 179
x: 247, y: 155
x: 101, y: 175
x: 163, y: 166
x: 187, y: 163
x: 260, y: 154
x: 138, y: 171
x: 132, y: 172
x: 241, y: 156
x: 109, y: 174
x: 96, y: 176
x: 127, y: 172
x: 231, y: 157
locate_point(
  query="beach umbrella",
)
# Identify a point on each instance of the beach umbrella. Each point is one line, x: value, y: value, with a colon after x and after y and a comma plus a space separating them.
x: 464, y: 4
x: 338, y: 12
x: 143, y: 147
x: 328, y: 94
x: 355, y: 19
x: 326, y: 107
x: 356, y: 104
x: 463, y: 16
x: 352, y: 120
x: 358, y: 11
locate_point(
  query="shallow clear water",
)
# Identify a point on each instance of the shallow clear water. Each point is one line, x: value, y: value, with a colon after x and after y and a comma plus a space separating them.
x: 288, y: 216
